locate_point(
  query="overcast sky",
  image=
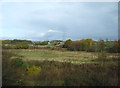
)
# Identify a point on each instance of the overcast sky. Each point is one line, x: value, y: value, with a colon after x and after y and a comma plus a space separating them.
x: 59, y: 20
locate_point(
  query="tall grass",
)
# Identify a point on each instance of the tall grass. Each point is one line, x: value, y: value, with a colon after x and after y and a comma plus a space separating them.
x: 53, y: 73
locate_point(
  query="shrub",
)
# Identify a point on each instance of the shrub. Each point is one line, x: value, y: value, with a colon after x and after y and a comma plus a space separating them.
x: 41, y: 43
x: 80, y: 45
x: 67, y: 43
x: 92, y: 48
x: 76, y: 46
x: 102, y: 56
x: 21, y: 46
x: 33, y: 71
x: 16, y: 62
x: 6, y: 46
x: 7, y: 71
x: 44, y: 43
x: 111, y: 46
x: 47, y: 46
x: 37, y: 43
x: 101, y: 45
x: 25, y: 64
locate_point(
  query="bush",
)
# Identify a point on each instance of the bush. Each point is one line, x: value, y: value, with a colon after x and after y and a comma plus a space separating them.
x: 92, y: 48
x: 76, y: 46
x: 67, y: 44
x: 47, y: 46
x: 7, y: 70
x: 101, y: 45
x: 21, y: 46
x: 41, y: 43
x: 44, y: 43
x: 7, y: 46
x: 80, y: 45
x: 102, y: 56
x: 33, y: 71
x: 17, y: 62
x: 25, y: 64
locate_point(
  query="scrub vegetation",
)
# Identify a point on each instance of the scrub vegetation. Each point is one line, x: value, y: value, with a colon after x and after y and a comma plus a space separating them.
x: 71, y: 63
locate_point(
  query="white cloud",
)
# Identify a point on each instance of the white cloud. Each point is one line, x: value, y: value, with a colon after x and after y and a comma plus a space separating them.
x: 43, y: 34
x: 52, y: 30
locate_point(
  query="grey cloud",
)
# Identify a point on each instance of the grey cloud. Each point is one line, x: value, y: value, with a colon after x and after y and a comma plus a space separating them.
x: 77, y: 20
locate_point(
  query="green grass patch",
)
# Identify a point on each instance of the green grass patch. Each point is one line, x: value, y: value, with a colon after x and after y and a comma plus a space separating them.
x: 53, y: 55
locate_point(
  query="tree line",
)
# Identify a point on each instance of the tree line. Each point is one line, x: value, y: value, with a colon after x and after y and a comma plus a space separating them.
x: 21, y: 44
x: 92, y: 46
x: 88, y: 45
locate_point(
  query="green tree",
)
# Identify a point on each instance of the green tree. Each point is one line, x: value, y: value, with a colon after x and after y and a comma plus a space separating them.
x: 67, y: 43
x: 101, y: 45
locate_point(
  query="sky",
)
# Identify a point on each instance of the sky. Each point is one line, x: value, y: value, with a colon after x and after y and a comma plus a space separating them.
x: 40, y: 21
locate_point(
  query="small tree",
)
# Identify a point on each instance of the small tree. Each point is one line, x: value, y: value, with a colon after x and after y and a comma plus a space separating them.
x: 16, y: 62
x: 33, y: 71
x: 23, y: 45
x: 67, y: 43
x: 101, y: 45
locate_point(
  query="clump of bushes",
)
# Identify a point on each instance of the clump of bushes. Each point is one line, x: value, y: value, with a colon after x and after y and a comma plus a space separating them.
x: 47, y: 46
x: 80, y: 45
x: 114, y: 47
x: 7, y: 46
x: 25, y: 65
x: 102, y: 56
x: 16, y: 62
x: 93, y: 46
x: 8, y: 73
x: 33, y: 70
x: 67, y: 43
x: 41, y: 43
x: 21, y: 46
x: 67, y: 74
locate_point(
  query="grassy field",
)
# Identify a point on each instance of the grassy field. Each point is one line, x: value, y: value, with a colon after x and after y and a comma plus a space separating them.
x: 42, y: 67
x: 75, y: 63
x: 53, y: 55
